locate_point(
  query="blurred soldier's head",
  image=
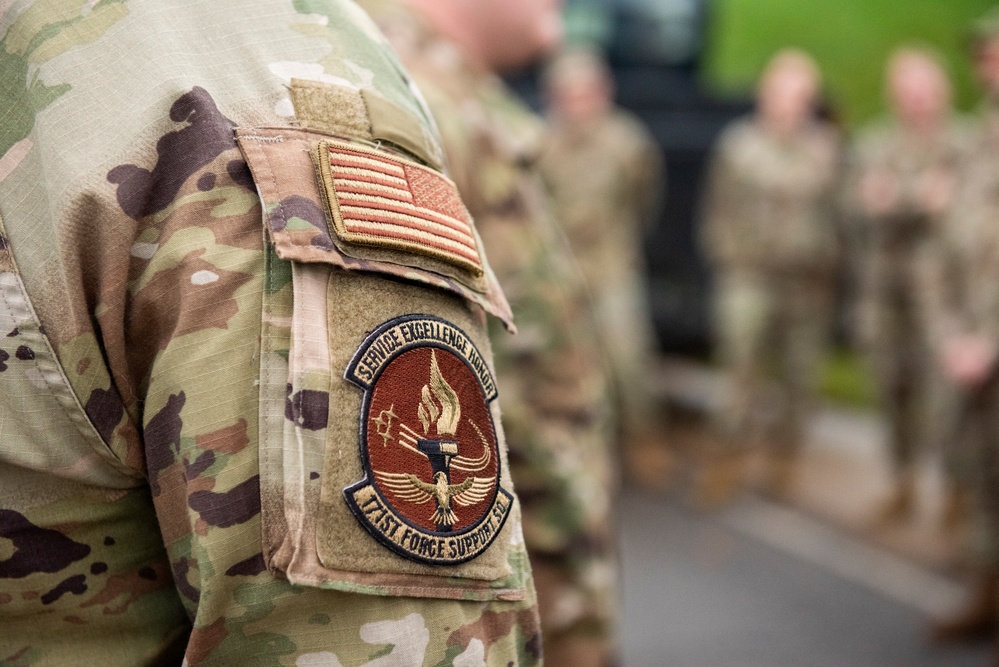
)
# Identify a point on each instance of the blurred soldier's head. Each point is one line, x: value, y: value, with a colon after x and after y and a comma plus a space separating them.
x: 500, y: 34
x: 578, y: 86
x: 919, y: 90
x: 985, y: 48
x: 786, y: 94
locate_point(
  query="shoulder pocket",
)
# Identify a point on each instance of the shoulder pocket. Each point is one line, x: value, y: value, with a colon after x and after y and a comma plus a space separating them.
x: 383, y: 468
x: 303, y: 177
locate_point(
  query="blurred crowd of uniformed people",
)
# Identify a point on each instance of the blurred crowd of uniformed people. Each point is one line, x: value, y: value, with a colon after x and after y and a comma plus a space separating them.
x: 792, y: 211
x: 906, y: 211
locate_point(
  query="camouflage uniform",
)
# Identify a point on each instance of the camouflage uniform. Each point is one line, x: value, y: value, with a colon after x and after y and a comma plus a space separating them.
x: 553, y: 390
x: 960, y: 275
x: 232, y: 395
x: 769, y: 235
x: 890, y: 325
x: 606, y: 179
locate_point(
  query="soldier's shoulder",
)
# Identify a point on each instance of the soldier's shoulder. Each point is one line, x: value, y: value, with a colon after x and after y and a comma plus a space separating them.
x: 627, y: 122
x: 737, y: 133
x: 624, y: 129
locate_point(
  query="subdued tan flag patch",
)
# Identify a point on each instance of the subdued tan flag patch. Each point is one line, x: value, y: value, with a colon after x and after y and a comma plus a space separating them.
x: 377, y: 199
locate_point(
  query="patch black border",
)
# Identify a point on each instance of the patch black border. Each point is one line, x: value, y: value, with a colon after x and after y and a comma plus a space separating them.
x: 350, y: 492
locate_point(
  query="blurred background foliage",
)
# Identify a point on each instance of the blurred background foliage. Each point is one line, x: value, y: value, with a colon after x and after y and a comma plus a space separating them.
x: 729, y: 41
x: 850, y: 39
x: 846, y: 379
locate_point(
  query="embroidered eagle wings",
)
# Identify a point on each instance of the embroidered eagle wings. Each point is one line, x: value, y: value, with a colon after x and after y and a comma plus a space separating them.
x: 410, y: 488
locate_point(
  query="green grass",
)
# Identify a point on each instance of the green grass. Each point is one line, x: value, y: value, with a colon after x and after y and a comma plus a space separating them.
x: 850, y: 39
x: 846, y: 379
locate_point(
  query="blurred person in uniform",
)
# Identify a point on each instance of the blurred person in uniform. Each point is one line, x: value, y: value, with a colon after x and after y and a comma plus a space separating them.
x: 605, y: 174
x: 768, y: 232
x: 962, y: 288
x: 901, y: 181
x: 244, y: 420
x: 553, y: 390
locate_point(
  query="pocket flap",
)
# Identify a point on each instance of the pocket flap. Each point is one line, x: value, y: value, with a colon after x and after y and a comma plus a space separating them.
x: 363, y: 208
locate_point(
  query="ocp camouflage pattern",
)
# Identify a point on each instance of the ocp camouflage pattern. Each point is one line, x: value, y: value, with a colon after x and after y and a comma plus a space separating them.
x: 887, y: 249
x: 959, y: 285
x: 177, y: 430
x: 770, y: 236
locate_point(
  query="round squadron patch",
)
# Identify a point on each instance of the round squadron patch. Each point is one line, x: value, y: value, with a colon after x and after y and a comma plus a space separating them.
x: 431, y: 491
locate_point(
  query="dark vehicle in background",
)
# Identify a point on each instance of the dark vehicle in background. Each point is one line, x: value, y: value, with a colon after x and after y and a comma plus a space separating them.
x: 655, y: 49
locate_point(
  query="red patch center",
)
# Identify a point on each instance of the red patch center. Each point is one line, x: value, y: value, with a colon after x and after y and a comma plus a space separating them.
x: 430, y: 440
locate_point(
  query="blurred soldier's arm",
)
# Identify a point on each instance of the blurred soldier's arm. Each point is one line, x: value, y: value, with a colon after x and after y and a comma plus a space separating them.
x: 859, y: 234
x: 719, y: 238
x: 959, y: 275
x: 837, y: 167
x: 649, y: 178
x: 965, y: 352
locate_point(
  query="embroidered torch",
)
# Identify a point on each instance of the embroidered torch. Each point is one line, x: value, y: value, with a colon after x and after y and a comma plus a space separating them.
x: 443, y: 414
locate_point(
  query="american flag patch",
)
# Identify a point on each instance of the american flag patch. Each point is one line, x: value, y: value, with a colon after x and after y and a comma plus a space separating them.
x: 382, y: 201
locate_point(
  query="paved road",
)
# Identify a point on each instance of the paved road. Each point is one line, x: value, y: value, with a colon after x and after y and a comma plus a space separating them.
x: 762, y: 585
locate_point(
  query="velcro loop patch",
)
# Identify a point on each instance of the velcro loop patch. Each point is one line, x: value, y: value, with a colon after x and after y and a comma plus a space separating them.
x: 379, y: 200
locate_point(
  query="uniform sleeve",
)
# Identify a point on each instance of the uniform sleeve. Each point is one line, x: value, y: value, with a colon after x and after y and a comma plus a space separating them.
x: 245, y: 421
x: 720, y: 206
x: 254, y: 424
x: 959, y: 272
x: 939, y: 295
x: 834, y: 234
x: 649, y: 176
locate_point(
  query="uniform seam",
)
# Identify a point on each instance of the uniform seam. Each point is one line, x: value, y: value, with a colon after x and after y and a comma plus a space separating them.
x: 266, y: 336
x: 62, y: 391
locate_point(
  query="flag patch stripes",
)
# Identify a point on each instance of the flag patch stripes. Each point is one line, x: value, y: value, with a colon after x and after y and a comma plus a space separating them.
x: 380, y: 200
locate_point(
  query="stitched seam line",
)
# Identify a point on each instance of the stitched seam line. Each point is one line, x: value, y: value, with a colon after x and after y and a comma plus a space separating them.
x: 56, y: 381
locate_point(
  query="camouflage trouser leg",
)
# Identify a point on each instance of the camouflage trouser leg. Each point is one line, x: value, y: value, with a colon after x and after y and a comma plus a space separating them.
x: 980, y: 426
x: 627, y: 335
x: 956, y: 463
x: 904, y: 372
x: 743, y: 311
x: 801, y: 332
x: 945, y: 404
x: 902, y: 406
